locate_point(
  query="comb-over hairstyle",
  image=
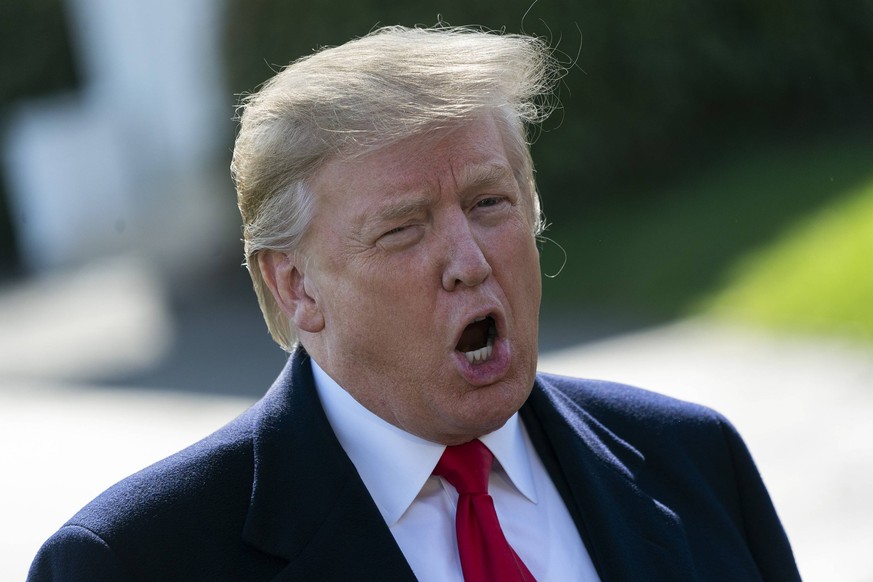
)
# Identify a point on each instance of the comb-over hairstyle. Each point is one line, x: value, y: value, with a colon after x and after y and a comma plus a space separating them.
x: 369, y: 93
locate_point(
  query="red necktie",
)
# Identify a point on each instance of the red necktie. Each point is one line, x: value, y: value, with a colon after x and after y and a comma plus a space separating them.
x: 486, y: 556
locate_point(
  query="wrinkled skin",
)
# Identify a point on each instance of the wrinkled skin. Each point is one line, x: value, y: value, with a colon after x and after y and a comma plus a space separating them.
x: 408, y: 245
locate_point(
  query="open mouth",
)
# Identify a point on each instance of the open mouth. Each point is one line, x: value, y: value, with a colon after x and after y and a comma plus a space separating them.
x: 477, y: 340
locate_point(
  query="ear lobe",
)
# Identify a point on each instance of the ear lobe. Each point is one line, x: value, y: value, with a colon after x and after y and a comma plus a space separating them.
x: 287, y: 282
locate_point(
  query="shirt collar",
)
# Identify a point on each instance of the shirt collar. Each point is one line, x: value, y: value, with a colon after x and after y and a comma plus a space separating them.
x: 508, y: 444
x: 394, y: 464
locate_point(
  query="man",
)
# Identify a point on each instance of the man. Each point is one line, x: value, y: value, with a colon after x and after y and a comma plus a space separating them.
x: 390, y: 216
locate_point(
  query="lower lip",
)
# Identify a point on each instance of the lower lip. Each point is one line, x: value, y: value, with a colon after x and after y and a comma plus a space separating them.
x: 489, y: 371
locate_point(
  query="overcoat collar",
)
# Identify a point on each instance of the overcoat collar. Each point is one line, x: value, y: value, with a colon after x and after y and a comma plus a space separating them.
x: 308, y: 503
x: 629, y: 534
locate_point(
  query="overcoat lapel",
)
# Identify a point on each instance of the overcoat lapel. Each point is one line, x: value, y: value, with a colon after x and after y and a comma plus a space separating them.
x: 629, y: 534
x: 308, y: 504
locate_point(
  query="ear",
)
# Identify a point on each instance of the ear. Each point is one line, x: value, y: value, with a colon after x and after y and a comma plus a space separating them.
x: 287, y: 282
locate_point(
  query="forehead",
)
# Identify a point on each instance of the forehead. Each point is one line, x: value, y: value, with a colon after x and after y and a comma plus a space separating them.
x: 458, y: 159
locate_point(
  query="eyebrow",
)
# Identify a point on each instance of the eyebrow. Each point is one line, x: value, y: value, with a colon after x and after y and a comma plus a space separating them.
x: 480, y: 176
x: 401, y: 209
x: 473, y: 177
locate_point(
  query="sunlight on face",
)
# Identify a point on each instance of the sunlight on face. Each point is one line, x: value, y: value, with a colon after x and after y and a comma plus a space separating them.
x: 423, y: 264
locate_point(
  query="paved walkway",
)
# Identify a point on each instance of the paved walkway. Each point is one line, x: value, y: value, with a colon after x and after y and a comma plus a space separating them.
x: 804, y: 408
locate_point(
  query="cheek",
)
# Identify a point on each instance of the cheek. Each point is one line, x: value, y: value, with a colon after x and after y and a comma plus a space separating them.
x: 518, y: 254
x: 391, y: 302
x: 524, y: 282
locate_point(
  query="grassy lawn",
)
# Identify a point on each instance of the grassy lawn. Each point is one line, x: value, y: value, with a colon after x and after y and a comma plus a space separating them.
x: 777, y: 234
x: 817, y: 277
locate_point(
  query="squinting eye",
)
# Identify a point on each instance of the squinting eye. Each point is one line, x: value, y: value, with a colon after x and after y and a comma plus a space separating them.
x: 486, y: 202
x: 401, y: 237
x: 395, y: 230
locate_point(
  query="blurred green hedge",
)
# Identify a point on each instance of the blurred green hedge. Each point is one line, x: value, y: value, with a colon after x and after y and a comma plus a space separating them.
x: 656, y: 86
x: 35, y: 55
x: 35, y: 59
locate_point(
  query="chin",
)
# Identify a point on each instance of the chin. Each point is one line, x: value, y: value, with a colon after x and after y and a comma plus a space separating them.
x: 497, y: 403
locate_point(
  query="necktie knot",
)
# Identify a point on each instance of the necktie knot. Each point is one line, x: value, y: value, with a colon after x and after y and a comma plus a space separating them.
x: 466, y: 467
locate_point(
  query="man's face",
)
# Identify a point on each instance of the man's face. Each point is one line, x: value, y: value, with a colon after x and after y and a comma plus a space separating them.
x: 422, y: 262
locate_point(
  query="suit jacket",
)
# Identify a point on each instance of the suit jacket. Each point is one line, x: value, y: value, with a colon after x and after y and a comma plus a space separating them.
x: 659, y: 489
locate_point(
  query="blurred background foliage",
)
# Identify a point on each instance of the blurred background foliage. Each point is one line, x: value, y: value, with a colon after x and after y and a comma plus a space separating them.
x: 699, y: 143
x: 35, y: 60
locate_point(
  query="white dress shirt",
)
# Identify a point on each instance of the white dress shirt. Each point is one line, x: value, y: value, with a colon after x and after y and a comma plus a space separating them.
x: 419, y: 508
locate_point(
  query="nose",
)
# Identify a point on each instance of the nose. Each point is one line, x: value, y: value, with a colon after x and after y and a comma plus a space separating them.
x: 465, y: 263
